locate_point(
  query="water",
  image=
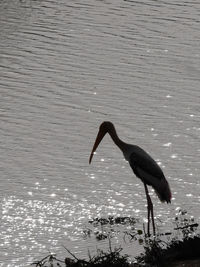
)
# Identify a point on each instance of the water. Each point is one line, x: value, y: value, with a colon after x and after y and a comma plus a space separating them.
x: 66, y: 67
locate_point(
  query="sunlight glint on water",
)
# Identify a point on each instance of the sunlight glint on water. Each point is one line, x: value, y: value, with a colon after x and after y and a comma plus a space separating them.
x: 66, y: 67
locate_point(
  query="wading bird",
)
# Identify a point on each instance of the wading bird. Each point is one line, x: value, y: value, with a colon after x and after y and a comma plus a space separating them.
x: 142, y: 164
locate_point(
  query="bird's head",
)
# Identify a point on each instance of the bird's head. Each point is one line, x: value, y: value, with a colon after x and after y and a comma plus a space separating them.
x: 104, y: 128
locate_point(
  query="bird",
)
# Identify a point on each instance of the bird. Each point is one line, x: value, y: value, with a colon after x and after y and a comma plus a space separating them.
x: 143, y: 165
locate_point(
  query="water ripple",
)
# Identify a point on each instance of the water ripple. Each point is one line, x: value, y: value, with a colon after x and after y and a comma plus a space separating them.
x: 65, y: 68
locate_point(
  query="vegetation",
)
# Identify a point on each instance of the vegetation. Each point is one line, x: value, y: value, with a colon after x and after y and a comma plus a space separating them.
x: 102, y: 259
x: 184, y: 246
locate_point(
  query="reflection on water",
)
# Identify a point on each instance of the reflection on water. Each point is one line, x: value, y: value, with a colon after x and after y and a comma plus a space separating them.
x: 65, y: 67
x: 26, y: 221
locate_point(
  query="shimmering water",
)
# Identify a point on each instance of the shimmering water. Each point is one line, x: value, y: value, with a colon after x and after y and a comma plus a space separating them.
x: 65, y: 67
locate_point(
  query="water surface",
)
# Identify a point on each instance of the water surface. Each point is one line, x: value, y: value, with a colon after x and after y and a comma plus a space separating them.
x: 66, y: 67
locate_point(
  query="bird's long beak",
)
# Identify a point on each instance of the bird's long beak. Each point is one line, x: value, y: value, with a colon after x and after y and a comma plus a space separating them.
x: 99, y: 137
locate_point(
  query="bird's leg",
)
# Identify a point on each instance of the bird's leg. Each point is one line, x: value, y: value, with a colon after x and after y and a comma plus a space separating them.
x: 153, y: 223
x: 150, y: 211
x: 148, y: 224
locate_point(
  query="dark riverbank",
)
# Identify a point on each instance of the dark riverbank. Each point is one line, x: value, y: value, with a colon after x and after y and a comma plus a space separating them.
x: 182, y: 250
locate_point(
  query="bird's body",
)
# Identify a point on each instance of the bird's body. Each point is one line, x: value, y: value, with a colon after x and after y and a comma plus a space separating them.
x: 145, y: 168
x: 142, y: 164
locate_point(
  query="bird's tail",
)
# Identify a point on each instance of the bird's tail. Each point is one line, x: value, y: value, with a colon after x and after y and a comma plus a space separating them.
x: 163, y: 191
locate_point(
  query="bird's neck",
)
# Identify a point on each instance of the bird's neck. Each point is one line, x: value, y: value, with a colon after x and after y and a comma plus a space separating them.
x: 122, y: 145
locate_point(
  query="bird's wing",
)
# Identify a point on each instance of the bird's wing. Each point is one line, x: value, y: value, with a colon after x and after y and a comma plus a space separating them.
x: 150, y: 173
x: 142, y: 163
